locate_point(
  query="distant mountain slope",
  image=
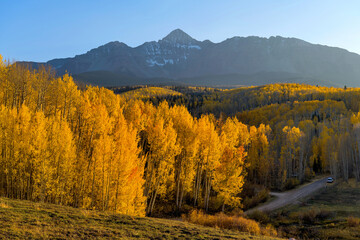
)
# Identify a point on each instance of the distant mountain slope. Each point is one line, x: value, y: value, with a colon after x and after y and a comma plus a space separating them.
x: 248, y: 60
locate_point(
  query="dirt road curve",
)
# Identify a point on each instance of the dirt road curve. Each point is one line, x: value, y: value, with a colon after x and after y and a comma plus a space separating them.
x: 289, y: 197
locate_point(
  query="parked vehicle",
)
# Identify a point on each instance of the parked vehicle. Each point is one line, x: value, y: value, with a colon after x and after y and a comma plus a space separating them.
x: 330, y: 180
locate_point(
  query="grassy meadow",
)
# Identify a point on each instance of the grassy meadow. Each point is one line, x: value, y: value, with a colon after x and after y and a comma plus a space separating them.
x: 21, y: 219
x: 333, y: 213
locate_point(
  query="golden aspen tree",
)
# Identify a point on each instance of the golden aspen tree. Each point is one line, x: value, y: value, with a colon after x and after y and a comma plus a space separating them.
x: 3, y: 81
x: 9, y: 134
x: 21, y: 166
x: 208, y: 158
x: 229, y: 176
x: 324, y: 141
x: 84, y: 135
x: 134, y: 112
x: 44, y: 77
x: 308, y: 128
x: 39, y: 157
x: 127, y: 186
x: 65, y: 99
x: 61, y: 152
x: 161, y: 138
x: 184, y: 126
x: 68, y: 94
x: 3, y: 148
x: 259, y: 164
x: 102, y: 157
x: 355, y: 120
x: 290, y: 151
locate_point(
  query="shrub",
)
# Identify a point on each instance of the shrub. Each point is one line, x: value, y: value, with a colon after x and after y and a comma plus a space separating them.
x: 269, y: 230
x: 260, y: 216
x: 353, y: 221
x: 237, y: 212
x: 309, y: 216
x: 324, y: 214
x: 4, y: 205
x: 260, y: 197
x: 221, y: 220
x: 312, y: 215
x: 291, y: 183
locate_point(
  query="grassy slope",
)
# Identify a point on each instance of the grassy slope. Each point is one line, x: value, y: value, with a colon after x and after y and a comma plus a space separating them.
x: 28, y: 220
x: 147, y: 92
x: 338, y: 202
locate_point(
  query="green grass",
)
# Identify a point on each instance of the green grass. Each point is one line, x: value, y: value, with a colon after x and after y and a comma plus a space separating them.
x: 324, y: 215
x: 29, y: 220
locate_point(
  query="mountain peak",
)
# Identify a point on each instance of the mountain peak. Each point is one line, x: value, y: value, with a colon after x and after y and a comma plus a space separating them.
x: 178, y: 36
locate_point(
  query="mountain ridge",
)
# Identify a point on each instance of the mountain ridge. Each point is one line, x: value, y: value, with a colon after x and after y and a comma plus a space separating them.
x: 179, y: 56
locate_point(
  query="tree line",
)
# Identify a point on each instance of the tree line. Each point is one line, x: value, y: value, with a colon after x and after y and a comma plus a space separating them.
x: 312, y: 129
x: 94, y: 149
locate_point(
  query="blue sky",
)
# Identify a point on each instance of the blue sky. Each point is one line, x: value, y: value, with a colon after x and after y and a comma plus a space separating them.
x: 41, y: 30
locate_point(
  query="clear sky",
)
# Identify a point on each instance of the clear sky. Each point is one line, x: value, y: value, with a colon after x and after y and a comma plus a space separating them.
x: 39, y: 30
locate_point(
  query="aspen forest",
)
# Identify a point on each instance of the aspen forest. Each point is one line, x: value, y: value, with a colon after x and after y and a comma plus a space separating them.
x: 171, y: 150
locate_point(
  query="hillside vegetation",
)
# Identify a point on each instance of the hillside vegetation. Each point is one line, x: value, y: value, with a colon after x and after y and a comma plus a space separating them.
x: 168, y: 151
x: 333, y: 213
x: 20, y: 219
x: 150, y: 92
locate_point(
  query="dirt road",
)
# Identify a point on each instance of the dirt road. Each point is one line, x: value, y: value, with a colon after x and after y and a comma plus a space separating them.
x: 289, y: 197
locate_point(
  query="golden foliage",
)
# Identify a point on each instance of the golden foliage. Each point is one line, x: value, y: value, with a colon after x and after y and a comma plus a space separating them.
x: 223, y: 221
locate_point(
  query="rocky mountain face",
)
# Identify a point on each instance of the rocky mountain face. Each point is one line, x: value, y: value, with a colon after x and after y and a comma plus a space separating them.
x: 235, y: 61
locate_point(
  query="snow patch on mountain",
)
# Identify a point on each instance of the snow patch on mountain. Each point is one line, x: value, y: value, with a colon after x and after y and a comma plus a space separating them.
x: 194, y: 47
x: 187, y: 46
x: 162, y: 62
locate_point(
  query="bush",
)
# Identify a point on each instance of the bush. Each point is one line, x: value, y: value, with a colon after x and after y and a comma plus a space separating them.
x: 260, y: 197
x: 324, y: 214
x: 4, y: 205
x: 269, y: 230
x: 260, y: 216
x: 291, y: 183
x: 312, y: 215
x: 221, y: 220
x: 353, y: 221
x: 309, y: 216
x: 237, y: 212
